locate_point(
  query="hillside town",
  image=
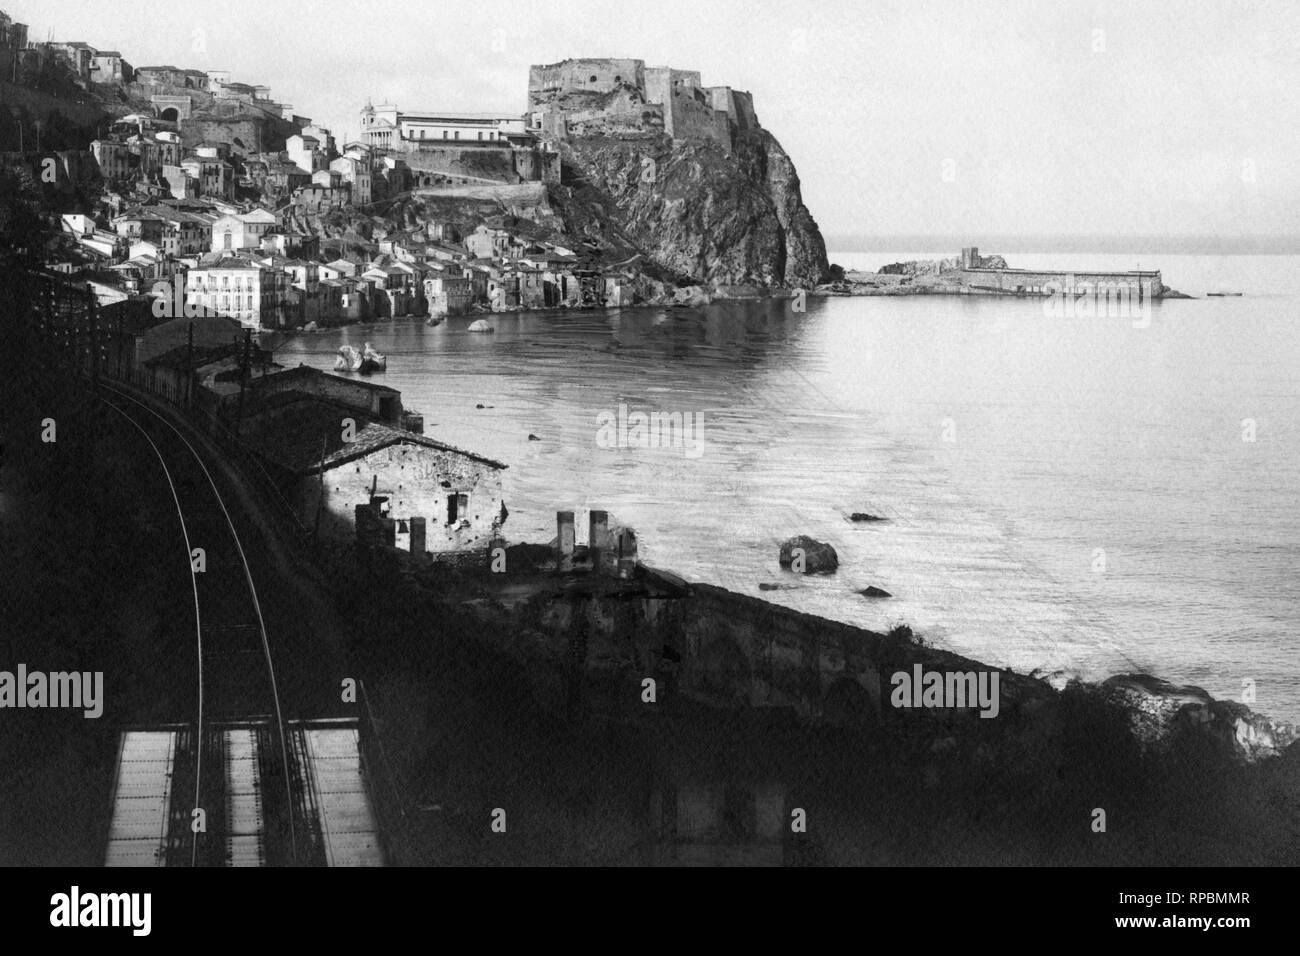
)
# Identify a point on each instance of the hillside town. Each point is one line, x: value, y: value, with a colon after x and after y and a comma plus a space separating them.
x: 185, y: 212
x: 188, y: 191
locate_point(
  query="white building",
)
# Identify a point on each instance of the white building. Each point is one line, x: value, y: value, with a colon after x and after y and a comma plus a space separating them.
x: 356, y: 172
x: 305, y: 152
x: 254, y: 295
x: 386, y: 127
x: 242, y: 230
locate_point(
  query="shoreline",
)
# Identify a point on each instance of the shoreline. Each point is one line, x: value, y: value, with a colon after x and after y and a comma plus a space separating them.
x: 493, y: 645
x: 1048, y: 663
x: 856, y: 289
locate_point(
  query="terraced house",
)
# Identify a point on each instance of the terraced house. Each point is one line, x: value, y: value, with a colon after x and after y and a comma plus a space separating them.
x: 256, y: 296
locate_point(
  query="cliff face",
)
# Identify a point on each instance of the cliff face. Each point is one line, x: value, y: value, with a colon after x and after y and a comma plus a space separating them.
x: 693, y: 211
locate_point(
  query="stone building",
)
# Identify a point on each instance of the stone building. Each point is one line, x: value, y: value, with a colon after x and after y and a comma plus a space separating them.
x: 355, y: 171
x: 113, y: 158
x: 609, y: 95
x: 448, y: 294
x: 335, y: 460
x: 107, y: 66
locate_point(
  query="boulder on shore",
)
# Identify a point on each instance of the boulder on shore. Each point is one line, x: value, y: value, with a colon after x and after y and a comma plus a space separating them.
x: 1159, y: 712
x: 808, y: 556
x: 692, y: 295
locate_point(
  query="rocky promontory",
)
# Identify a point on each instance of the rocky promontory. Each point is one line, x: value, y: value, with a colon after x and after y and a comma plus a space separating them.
x: 680, y: 176
x: 705, y: 217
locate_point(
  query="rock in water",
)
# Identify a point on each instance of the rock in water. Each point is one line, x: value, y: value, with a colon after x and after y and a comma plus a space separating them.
x: 817, y: 556
x: 863, y: 516
x: 480, y: 325
x: 875, y: 592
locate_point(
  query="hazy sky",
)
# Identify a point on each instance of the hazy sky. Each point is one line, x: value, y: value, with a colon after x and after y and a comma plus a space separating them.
x: 1146, y: 117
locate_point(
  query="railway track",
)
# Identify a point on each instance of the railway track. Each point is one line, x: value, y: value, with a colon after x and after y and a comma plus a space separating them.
x: 235, y: 795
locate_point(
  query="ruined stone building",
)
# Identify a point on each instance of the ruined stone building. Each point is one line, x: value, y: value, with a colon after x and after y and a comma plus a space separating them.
x: 582, y: 96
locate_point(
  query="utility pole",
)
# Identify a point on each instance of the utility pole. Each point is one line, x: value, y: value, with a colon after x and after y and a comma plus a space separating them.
x: 320, y: 497
x: 189, y: 368
x: 243, y: 380
x: 94, y: 334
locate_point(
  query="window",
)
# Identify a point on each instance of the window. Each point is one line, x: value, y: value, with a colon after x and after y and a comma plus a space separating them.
x: 457, y: 506
x: 457, y: 134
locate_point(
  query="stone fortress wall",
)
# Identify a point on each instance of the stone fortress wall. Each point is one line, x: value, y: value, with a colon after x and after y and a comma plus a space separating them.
x: 977, y: 274
x: 583, y: 96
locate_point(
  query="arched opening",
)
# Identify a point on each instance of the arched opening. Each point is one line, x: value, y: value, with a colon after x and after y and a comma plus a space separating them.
x: 170, y: 114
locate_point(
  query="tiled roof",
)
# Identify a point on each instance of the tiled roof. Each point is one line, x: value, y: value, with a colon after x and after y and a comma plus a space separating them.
x: 181, y: 357
x: 296, y: 431
x: 306, y: 371
x: 232, y: 263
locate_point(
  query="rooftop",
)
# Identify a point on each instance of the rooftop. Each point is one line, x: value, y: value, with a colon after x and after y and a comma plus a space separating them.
x: 306, y: 371
x: 459, y: 117
x: 183, y: 357
x: 301, y: 434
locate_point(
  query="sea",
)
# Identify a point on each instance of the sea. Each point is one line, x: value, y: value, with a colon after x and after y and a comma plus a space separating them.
x: 1070, y: 492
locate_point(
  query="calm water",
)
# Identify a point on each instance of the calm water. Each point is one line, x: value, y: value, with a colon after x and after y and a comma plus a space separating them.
x: 1071, y: 495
